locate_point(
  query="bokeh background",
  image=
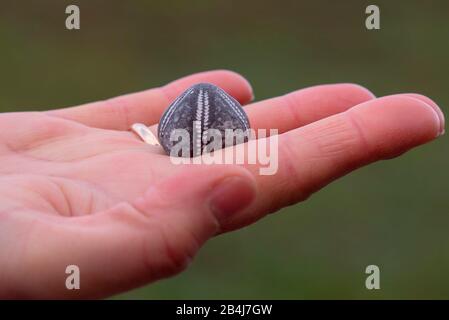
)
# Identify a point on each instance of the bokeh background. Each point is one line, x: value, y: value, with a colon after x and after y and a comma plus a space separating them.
x: 393, y: 214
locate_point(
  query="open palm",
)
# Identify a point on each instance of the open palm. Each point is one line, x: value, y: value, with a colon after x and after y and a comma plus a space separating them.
x: 78, y: 188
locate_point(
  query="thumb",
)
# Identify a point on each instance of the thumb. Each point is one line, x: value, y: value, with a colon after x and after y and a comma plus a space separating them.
x: 135, y: 243
x: 190, y: 208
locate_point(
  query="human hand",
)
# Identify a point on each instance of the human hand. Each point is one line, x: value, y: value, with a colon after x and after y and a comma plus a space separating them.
x: 78, y: 188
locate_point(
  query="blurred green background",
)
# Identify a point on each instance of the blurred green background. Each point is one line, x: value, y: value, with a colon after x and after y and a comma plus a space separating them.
x: 393, y: 214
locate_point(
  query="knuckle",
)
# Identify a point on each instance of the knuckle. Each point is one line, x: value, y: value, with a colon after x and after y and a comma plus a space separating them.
x: 341, y: 139
x: 325, y: 149
x: 292, y: 101
x: 295, y: 189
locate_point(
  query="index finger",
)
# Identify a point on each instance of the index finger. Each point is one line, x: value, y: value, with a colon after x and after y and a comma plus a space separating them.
x: 121, y: 112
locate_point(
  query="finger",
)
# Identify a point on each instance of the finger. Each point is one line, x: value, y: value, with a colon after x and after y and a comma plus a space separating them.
x: 432, y: 104
x: 132, y: 244
x: 23, y: 131
x: 147, y: 107
x: 312, y: 156
x: 303, y: 106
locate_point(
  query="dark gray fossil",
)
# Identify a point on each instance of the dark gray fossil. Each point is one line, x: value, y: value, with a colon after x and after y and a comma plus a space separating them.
x: 203, y: 113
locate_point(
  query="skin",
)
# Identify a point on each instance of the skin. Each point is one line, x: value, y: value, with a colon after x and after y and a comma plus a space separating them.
x: 78, y: 188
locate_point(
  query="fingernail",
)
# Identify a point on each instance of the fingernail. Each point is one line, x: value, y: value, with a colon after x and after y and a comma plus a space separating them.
x: 435, y: 107
x: 231, y: 196
x: 252, y: 96
x: 442, y: 123
x: 439, y: 118
x: 439, y: 115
